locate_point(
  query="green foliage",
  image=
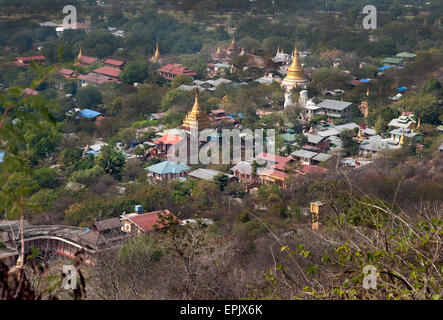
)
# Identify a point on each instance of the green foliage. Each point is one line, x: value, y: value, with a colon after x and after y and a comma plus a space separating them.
x: 134, y: 71
x: 181, y: 79
x: 89, y: 97
x: 350, y: 147
x: 46, y: 178
x: 221, y: 180
x: 83, y: 175
x: 111, y: 160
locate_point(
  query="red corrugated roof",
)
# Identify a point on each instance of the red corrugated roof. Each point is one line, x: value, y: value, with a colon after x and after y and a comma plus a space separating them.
x: 273, y: 173
x: 147, y: 221
x: 66, y: 72
x: 108, y: 71
x: 169, y: 139
x: 88, y: 60
x: 30, y: 58
x: 95, y: 78
x: 30, y: 92
x: 113, y: 62
x: 176, y: 69
x: 273, y: 158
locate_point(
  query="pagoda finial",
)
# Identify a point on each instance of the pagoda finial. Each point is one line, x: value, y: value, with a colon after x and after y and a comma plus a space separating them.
x: 157, y: 52
x: 402, y: 138
x: 196, y: 104
x: 80, y: 55
x: 418, y: 122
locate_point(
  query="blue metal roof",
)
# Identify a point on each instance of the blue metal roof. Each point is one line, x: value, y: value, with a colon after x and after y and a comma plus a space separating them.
x: 365, y: 80
x: 2, y: 155
x: 166, y: 167
x: 401, y: 89
x: 385, y: 67
x: 88, y: 113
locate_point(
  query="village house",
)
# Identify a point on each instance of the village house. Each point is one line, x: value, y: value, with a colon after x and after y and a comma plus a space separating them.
x: 94, y: 79
x: 317, y: 143
x: 167, y: 171
x: 138, y: 223
x: 396, y: 135
x: 208, y: 175
x: 104, y: 234
x: 165, y: 142
x: 243, y: 171
x: 276, y: 170
x: 304, y: 156
x: 334, y: 108
x: 25, y: 61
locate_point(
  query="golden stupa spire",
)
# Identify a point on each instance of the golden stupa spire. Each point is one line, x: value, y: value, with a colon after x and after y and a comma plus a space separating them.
x: 278, y: 51
x: 418, y: 122
x: 402, y: 138
x: 196, y: 107
x: 232, y: 45
x: 157, y: 52
x: 359, y: 133
x: 196, y: 116
x: 295, y: 71
x: 80, y: 55
x: 218, y: 50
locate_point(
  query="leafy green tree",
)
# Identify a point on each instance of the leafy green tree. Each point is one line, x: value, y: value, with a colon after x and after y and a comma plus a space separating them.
x: 350, y: 147
x: 221, y: 180
x: 70, y: 87
x: 111, y: 160
x: 181, y: 79
x: 89, y: 97
x: 134, y: 71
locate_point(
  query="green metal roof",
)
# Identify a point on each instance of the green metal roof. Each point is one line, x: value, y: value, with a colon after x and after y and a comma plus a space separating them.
x: 393, y: 60
x: 168, y: 167
x: 406, y: 55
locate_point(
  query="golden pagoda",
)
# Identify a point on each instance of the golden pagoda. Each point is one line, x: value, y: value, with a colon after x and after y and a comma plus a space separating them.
x: 360, y: 136
x: 296, y: 76
x: 402, y: 138
x: 80, y: 55
x: 196, y: 117
x: 232, y: 45
x: 156, y: 56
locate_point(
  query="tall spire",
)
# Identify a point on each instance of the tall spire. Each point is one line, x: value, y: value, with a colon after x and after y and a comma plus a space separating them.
x: 157, y: 52
x: 156, y: 57
x: 196, y: 116
x: 80, y: 55
x: 295, y: 75
x: 232, y: 45
x: 402, y: 138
